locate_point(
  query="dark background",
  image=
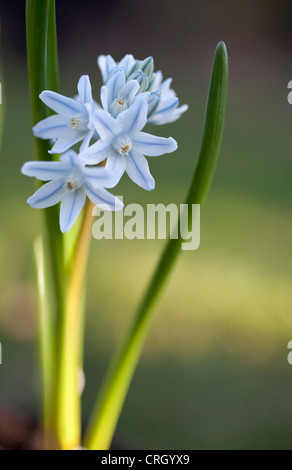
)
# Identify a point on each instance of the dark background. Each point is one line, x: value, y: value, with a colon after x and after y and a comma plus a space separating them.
x: 214, y: 372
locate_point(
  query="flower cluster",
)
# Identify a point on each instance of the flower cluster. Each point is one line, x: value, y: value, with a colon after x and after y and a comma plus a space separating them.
x: 110, y: 135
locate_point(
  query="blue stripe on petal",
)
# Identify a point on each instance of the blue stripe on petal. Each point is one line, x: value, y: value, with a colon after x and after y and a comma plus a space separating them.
x: 45, y: 171
x: 48, y: 195
x: 61, y: 104
x: 106, y: 126
x: 71, y: 207
x: 138, y: 170
x: 152, y: 145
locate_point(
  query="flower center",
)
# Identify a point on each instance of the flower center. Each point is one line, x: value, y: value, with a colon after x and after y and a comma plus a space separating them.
x: 71, y: 185
x: 79, y: 121
x: 121, y: 102
x: 123, y: 144
x: 75, y: 122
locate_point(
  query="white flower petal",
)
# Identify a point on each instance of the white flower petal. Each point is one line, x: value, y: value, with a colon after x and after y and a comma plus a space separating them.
x: 71, y: 206
x: 84, y: 89
x: 48, y: 195
x: 153, y: 145
x: 106, y: 64
x: 51, y: 127
x: 116, y: 166
x: 114, y: 85
x: 168, y: 117
x: 127, y: 62
x: 61, y: 104
x: 138, y: 170
x: 166, y: 105
x: 67, y: 140
x: 86, y: 141
x: 103, y: 199
x: 45, y: 171
x: 129, y: 91
x: 100, y: 177
x: 157, y: 80
x: 96, y: 153
x: 104, y: 97
x: 106, y: 126
x: 134, y: 118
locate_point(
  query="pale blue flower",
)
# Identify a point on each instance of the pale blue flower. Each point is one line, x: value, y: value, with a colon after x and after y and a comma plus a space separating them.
x: 73, y: 121
x: 163, y: 104
x: 108, y: 66
x: 118, y: 95
x: 124, y: 145
x: 70, y: 182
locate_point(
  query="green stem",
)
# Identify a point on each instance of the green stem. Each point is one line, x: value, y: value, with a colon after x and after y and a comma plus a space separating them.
x: 68, y: 394
x: 46, y: 346
x: 117, y: 381
x: 43, y: 74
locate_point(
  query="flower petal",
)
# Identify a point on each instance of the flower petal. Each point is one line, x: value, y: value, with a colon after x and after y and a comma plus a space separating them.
x: 129, y: 91
x: 103, y: 199
x: 51, y: 127
x: 114, y: 85
x: 168, y: 117
x: 135, y: 117
x: 153, y: 145
x: 106, y: 64
x: 138, y: 170
x: 48, y: 195
x: 96, y: 153
x: 84, y: 89
x: 67, y: 140
x: 127, y: 62
x: 61, y: 104
x: 116, y: 165
x: 100, y: 177
x: 106, y: 126
x: 104, y: 97
x: 71, y: 206
x: 45, y: 171
x: 86, y: 141
x: 167, y: 105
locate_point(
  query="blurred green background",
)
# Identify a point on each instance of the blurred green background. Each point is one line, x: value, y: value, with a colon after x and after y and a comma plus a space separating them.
x: 214, y: 372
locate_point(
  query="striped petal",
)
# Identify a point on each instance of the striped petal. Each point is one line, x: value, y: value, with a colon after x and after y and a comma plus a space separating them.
x: 96, y: 153
x: 51, y: 127
x: 134, y: 118
x: 45, y: 171
x: 61, y: 104
x: 84, y: 89
x: 129, y: 91
x: 116, y: 166
x: 167, y: 105
x: 71, y: 206
x: 106, y: 126
x: 103, y: 199
x: 67, y: 140
x: 106, y: 64
x: 97, y: 177
x: 114, y: 85
x: 138, y: 170
x: 152, y: 145
x: 104, y: 97
x: 48, y: 195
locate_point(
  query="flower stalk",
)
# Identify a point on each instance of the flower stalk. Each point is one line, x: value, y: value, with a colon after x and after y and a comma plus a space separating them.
x: 68, y: 391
